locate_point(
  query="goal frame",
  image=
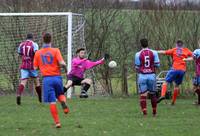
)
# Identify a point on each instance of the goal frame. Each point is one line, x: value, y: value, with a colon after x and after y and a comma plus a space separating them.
x: 69, y: 16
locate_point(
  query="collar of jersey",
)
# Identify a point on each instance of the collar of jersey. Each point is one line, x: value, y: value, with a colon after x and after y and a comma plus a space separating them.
x: 145, y: 48
x: 46, y: 45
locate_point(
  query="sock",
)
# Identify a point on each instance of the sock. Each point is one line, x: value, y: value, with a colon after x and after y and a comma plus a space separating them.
x: 164, y: 90
x: 154, y: 103
x: 62, y: 98
x: 20, y: 89
x: 39, y: 93
x: 86, y: 86
x: 143, y: 104
x: 198, y: 95
x: 65, y: 89
x: 54, y: 113
x: 175, y: 94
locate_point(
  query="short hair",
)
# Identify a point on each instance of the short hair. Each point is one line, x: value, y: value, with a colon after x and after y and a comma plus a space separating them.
x: 79, y: 50
x: 29, y: 36
x: 179, y: 43
x: 144, y: 42
x: 47, y: 38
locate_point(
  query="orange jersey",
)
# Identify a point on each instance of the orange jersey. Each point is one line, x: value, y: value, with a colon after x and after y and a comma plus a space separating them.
x: 178, y: 54
x: 47, y: 59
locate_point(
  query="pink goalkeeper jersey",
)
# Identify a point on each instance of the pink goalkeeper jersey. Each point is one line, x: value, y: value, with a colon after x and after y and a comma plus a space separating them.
x: 79, y: 66
x: 27, y: 50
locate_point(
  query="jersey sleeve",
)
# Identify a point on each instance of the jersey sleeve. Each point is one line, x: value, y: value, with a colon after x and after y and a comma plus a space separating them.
x: 35, y: 47
x: 169, y: 52
x: 59, y: 56
x: 19, y: 50
x: 36, y: 61
x: 156, y: 59
x: 91, y: 64
x: 137, y: 60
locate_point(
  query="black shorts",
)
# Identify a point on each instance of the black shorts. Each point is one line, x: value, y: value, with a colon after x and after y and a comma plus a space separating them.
x: 75, y: 80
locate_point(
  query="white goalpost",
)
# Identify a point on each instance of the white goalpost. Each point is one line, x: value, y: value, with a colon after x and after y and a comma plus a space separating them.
x: 67, y: 29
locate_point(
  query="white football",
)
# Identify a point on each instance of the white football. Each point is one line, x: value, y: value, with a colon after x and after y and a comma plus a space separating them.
x: 112, y: 64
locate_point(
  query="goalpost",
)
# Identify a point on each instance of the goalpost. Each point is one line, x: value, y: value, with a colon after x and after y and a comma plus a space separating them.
x: 67, y: 29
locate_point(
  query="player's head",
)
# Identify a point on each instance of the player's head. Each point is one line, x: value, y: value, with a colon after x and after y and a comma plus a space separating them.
x: 47, y: 38
x: 80, y: 52
x: 144, y: 43
x: 179, y: 43
x: 29, y: 36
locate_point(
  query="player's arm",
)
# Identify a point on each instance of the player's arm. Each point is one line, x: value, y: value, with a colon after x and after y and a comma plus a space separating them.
x: 166, y: 52
x: 36, y: 62
x: 63, y: 65
x: 161, y: 52
x: 137, y: 61
x: 156, y: 60
x: 61, y: 61
x: 35, y: 47
x: 91, y: 64
x: 190, y: 55
x: 188, y: 59
x: 19, y: 52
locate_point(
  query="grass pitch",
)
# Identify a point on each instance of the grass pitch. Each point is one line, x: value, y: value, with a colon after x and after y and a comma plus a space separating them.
x: 98, y: 117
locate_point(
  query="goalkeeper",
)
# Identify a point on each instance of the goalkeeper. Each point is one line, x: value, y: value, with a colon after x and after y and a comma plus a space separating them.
x: 76, y: 76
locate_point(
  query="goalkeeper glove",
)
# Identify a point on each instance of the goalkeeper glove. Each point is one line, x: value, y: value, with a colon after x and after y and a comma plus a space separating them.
x: 106, y: 56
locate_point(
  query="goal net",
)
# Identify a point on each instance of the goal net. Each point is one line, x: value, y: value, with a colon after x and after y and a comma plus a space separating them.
x: 67, y: 30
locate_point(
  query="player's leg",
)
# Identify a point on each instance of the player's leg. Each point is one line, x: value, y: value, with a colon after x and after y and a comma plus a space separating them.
x: 196, y: 84
x: 175, y: 94
x: 142, y: 83
x: 178, y: 80
x: 54, y: 114
x: 171, y: 75
x: 49, y: 96
x: 58, y: 85
x: 34, y: 74
x: 68, y: 85
x: 23, y: 81
x: 198, y: 95
x: 152, y: 89
x: 86, y: 83
x: 163, y: 92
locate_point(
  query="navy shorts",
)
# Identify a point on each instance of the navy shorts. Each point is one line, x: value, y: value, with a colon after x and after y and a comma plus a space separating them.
x: 175, y: 76
x: 52, y: 88
x: 75, y: 80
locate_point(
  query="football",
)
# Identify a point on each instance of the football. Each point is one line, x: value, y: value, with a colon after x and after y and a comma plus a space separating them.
x: 112, y: 64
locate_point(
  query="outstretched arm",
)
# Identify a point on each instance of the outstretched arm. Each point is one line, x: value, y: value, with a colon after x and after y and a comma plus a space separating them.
x: 188, y: 59
x: 161, y: 52
x: 91, y: 64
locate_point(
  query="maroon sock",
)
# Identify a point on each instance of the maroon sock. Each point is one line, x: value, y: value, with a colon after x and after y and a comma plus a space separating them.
x: 39, y: 93
x: 143, y: 104
x: 20, y: 89
x: 198, y: 95
x: 154, y: 103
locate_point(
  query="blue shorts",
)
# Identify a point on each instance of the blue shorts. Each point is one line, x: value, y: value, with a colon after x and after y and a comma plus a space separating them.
x: 25, y: 74
x: 52, y: 88
x: 196, y: 81
x: 147, y: 82
x: 175, y: 76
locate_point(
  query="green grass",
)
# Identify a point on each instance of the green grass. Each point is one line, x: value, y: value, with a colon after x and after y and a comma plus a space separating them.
x: 98, y: 117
